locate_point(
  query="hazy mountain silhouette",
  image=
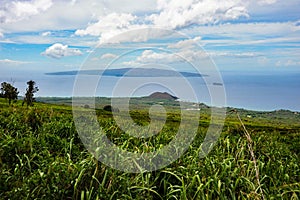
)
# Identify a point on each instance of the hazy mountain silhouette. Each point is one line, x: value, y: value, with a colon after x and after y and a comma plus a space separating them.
x: 130, y: 72
x: 162, y: 95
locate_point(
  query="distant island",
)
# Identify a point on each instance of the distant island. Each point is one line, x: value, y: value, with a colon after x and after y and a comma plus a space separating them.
x: 130, y: 72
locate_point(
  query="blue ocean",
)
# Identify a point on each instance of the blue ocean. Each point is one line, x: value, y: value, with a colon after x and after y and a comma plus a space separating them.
x: 264, y: 91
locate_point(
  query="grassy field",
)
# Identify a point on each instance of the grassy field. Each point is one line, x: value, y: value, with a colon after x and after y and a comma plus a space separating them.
x: 42, y: 157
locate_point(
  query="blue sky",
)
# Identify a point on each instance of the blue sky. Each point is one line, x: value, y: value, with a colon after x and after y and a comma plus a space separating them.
x: 59, y: 35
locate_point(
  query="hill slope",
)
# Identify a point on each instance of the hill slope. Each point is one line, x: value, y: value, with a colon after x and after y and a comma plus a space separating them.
x: 162, y: 95
x: 42, y: 157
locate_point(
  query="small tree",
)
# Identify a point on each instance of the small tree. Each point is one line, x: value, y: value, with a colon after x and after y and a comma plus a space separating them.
x: 31, y: 89
x: 8, y: 92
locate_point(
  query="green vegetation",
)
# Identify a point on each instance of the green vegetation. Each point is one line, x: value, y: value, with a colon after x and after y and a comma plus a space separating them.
x: 8, y: 92
x: 42, y: 157
x: 31, y: 89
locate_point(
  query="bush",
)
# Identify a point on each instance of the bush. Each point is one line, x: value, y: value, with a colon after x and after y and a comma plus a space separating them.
x: 109, y: 108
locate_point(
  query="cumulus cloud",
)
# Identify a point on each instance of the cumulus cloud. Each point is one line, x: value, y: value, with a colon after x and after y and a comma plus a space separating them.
x: 109, y: 26
x: 123, y: 25
x: 12, y: 11
x: 62, y: 15
x: 150, y: 57
x: 185, y: 55
x: 108, y: 23
x: 59, y: 50
x: 185, y: 50
x: 179, y: 14
x: 171, y: 14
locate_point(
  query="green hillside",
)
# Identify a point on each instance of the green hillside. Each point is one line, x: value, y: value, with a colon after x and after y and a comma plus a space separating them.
x: 42, y: 156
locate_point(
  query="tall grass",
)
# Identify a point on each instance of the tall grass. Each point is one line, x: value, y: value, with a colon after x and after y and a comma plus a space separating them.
x: 42, y: 157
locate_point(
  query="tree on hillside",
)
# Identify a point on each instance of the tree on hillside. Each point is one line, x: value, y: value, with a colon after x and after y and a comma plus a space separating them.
x: 8, y: 92
x: 31, y: 89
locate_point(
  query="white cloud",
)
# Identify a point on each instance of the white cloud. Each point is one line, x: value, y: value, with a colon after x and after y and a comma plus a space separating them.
x: 12, y: 11
x: 184, y: 44
x: 192, y: 55
x: 121, y: 27
x: 225, y: 34
x: 151, y: 57
x: 172, y: 14
x: 1, y: 35
x: 178, y: 14
x: 234, y: 13
x: 59, y: 50
x: 288, y: 63
x: 266, y: 2
x: 236, y: 54
x: 62, y: 15
x: 130, y: 6
x: 135, y: 33
x: 12, y: 62
x: 73, y: 2
x: 271, y: 10
x: 109, y: 56
x: 186, y: 55
x: 109, y: 26
x: 45, y: 34
x: 274, y: 33
x: 109, y: 23
x: 263, y: 60
x: 122, y: 16
x: 33, y: 39
x: 49, y: 37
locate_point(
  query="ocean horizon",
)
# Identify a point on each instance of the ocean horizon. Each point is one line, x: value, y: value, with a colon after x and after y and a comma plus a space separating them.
x: 261, y: 91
